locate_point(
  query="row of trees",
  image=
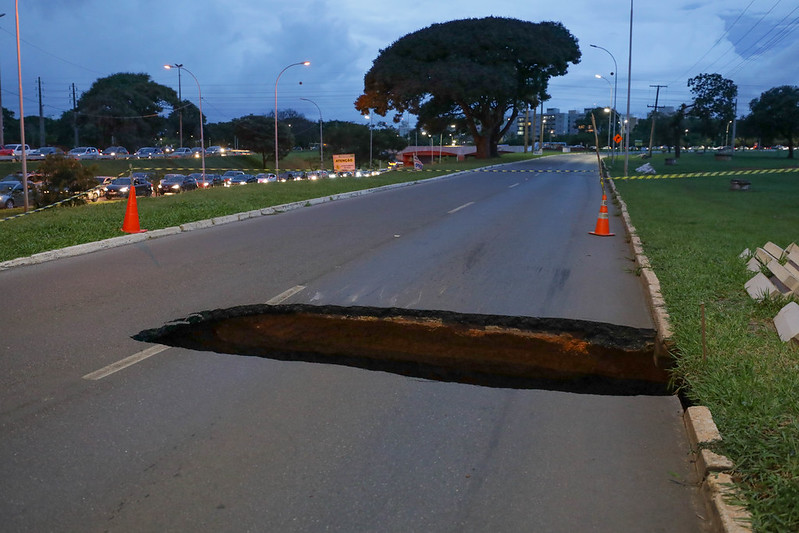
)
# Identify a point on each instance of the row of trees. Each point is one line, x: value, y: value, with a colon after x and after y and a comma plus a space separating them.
x: 133, y: 111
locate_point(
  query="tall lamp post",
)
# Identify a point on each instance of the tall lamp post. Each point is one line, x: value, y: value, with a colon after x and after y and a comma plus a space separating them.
x: 321, y: 141
x: 615, y: 75
x: 2, y: 139
x: 199, y: 90
x: 26, y: 201
x: 610, y: 111
x: 303, y: 63
x: 180, y: 105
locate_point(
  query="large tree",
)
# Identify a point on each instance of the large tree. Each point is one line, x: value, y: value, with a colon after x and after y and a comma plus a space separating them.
x: 257, y: 133
x: 480, y: 70
x: 124, y: 109
x: 714, y: 102
x: 775, y: 114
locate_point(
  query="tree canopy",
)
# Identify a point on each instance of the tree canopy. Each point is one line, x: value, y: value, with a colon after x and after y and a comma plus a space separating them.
x: 714, y: 102
x: 124, y: 106
x: 776, y: 114
x: 479, y: 70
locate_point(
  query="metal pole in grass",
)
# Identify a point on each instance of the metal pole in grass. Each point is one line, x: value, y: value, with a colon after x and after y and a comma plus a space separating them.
x: 26, y: 201
x: 321, y: 141
x: 200, y: 91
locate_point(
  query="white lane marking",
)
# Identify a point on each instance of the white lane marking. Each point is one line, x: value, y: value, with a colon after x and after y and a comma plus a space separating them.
x: 285, y: 295
x: 464, y: 206
x: 514, y: 185
x: 126, y: 362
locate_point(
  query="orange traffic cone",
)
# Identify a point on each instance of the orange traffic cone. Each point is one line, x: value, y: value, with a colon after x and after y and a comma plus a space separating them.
x: 131, y: 222
x: 602, y: 224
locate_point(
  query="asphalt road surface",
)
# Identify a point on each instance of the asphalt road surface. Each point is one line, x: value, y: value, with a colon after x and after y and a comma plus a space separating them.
x: 99, y: 432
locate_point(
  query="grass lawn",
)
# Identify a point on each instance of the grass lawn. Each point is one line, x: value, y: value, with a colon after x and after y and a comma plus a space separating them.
x: 693, y: 230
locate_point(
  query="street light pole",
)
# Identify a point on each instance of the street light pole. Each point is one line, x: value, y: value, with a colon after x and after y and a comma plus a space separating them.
x: 304, y: 63
x: 629, y: 75
x: 2, y: 139
x: 26, y: 201
x: 180, y: 106
x: 615, y: 75
x: 199, y: 90
x: 610, y: 111
x: 321, y: 141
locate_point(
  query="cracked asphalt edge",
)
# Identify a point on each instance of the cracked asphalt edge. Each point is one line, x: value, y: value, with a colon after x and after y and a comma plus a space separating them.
x: 717, y: 486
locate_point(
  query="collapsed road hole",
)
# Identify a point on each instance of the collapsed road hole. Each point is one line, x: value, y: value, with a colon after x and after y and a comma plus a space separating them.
x: 487, y: 350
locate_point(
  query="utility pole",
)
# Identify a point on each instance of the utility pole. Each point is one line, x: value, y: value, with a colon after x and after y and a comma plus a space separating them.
x: 41, y: 115
x: 75, y: 114
x: 654, y: 115
x: 2, y: 139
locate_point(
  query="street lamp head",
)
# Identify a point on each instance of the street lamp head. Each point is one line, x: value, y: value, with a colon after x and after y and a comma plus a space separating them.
x: 306, y: 63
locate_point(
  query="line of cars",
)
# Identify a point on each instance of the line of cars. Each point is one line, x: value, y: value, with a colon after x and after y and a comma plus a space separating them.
x: 11, y: 152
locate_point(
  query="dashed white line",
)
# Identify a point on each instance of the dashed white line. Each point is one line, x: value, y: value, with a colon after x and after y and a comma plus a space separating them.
x: 285, y: 295
x: 126, y: 362
x: 514, y: 185
x: 464, y: 206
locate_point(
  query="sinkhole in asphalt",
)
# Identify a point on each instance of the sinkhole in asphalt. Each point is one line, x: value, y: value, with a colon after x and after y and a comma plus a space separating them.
x: 487, y: 350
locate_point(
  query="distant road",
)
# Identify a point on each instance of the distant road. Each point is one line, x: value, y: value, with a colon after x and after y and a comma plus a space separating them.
x: 103, y: 433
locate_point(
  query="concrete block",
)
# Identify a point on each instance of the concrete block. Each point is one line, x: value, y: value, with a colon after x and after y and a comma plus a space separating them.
x: 785, y: 277
x: 760, y: 287
x: 787, y: 322
x: 745, y: 254
x: 774, y: 250
x: 753, y: 265
x: 700, y: 425
x: 763, y: 256
x: 793, y: 257
x: 708, y: 461
x: 718, y: 489
x: 793, y: 247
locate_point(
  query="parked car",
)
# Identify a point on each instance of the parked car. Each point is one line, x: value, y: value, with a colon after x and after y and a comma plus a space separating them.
x: 228, y: 175
x: 267, y: 177
x: 11, y: 194
x: 181, y: 153
x: 210, y: 180
x: 176, y: 183
x: 214, y: 150
x: 95, y: 193
x: 242, y: 179
x: 120, y: 187
x: 84, y: 152
x: 148, y: 152
x: 13, y: 151
x: 290, y: 175
x: 44, y: 151
x: 116, y: 152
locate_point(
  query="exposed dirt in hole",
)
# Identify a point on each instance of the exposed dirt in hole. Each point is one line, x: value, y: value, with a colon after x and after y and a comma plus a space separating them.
x: 488, y: 350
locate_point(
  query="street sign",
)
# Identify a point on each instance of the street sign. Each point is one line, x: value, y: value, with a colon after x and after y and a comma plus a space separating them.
x: 344, y: 162
x: 617, y: 138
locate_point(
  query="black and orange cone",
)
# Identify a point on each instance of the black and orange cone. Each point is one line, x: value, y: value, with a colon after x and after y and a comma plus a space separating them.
x: 131, y: 222
x: 602, y: 223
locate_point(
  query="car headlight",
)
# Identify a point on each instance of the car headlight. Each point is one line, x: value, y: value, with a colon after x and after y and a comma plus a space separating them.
x: 176, y: 186
x: 124, y: 189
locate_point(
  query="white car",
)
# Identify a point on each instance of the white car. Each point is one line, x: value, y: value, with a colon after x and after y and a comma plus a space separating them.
x: 182, y: 152
x: 84, y: 152
x: 13, y: 151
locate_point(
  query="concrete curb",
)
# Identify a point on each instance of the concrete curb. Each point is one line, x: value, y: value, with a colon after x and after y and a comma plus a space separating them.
x: 718, y: 487
x: 113, y: 242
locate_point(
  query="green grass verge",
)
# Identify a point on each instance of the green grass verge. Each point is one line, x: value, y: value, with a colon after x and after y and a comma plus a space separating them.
x: 66, y: 226
x: 693, y: 230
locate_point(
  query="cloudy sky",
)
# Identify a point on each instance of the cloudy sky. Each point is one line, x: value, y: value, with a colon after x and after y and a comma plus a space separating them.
x: 236, y: 49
